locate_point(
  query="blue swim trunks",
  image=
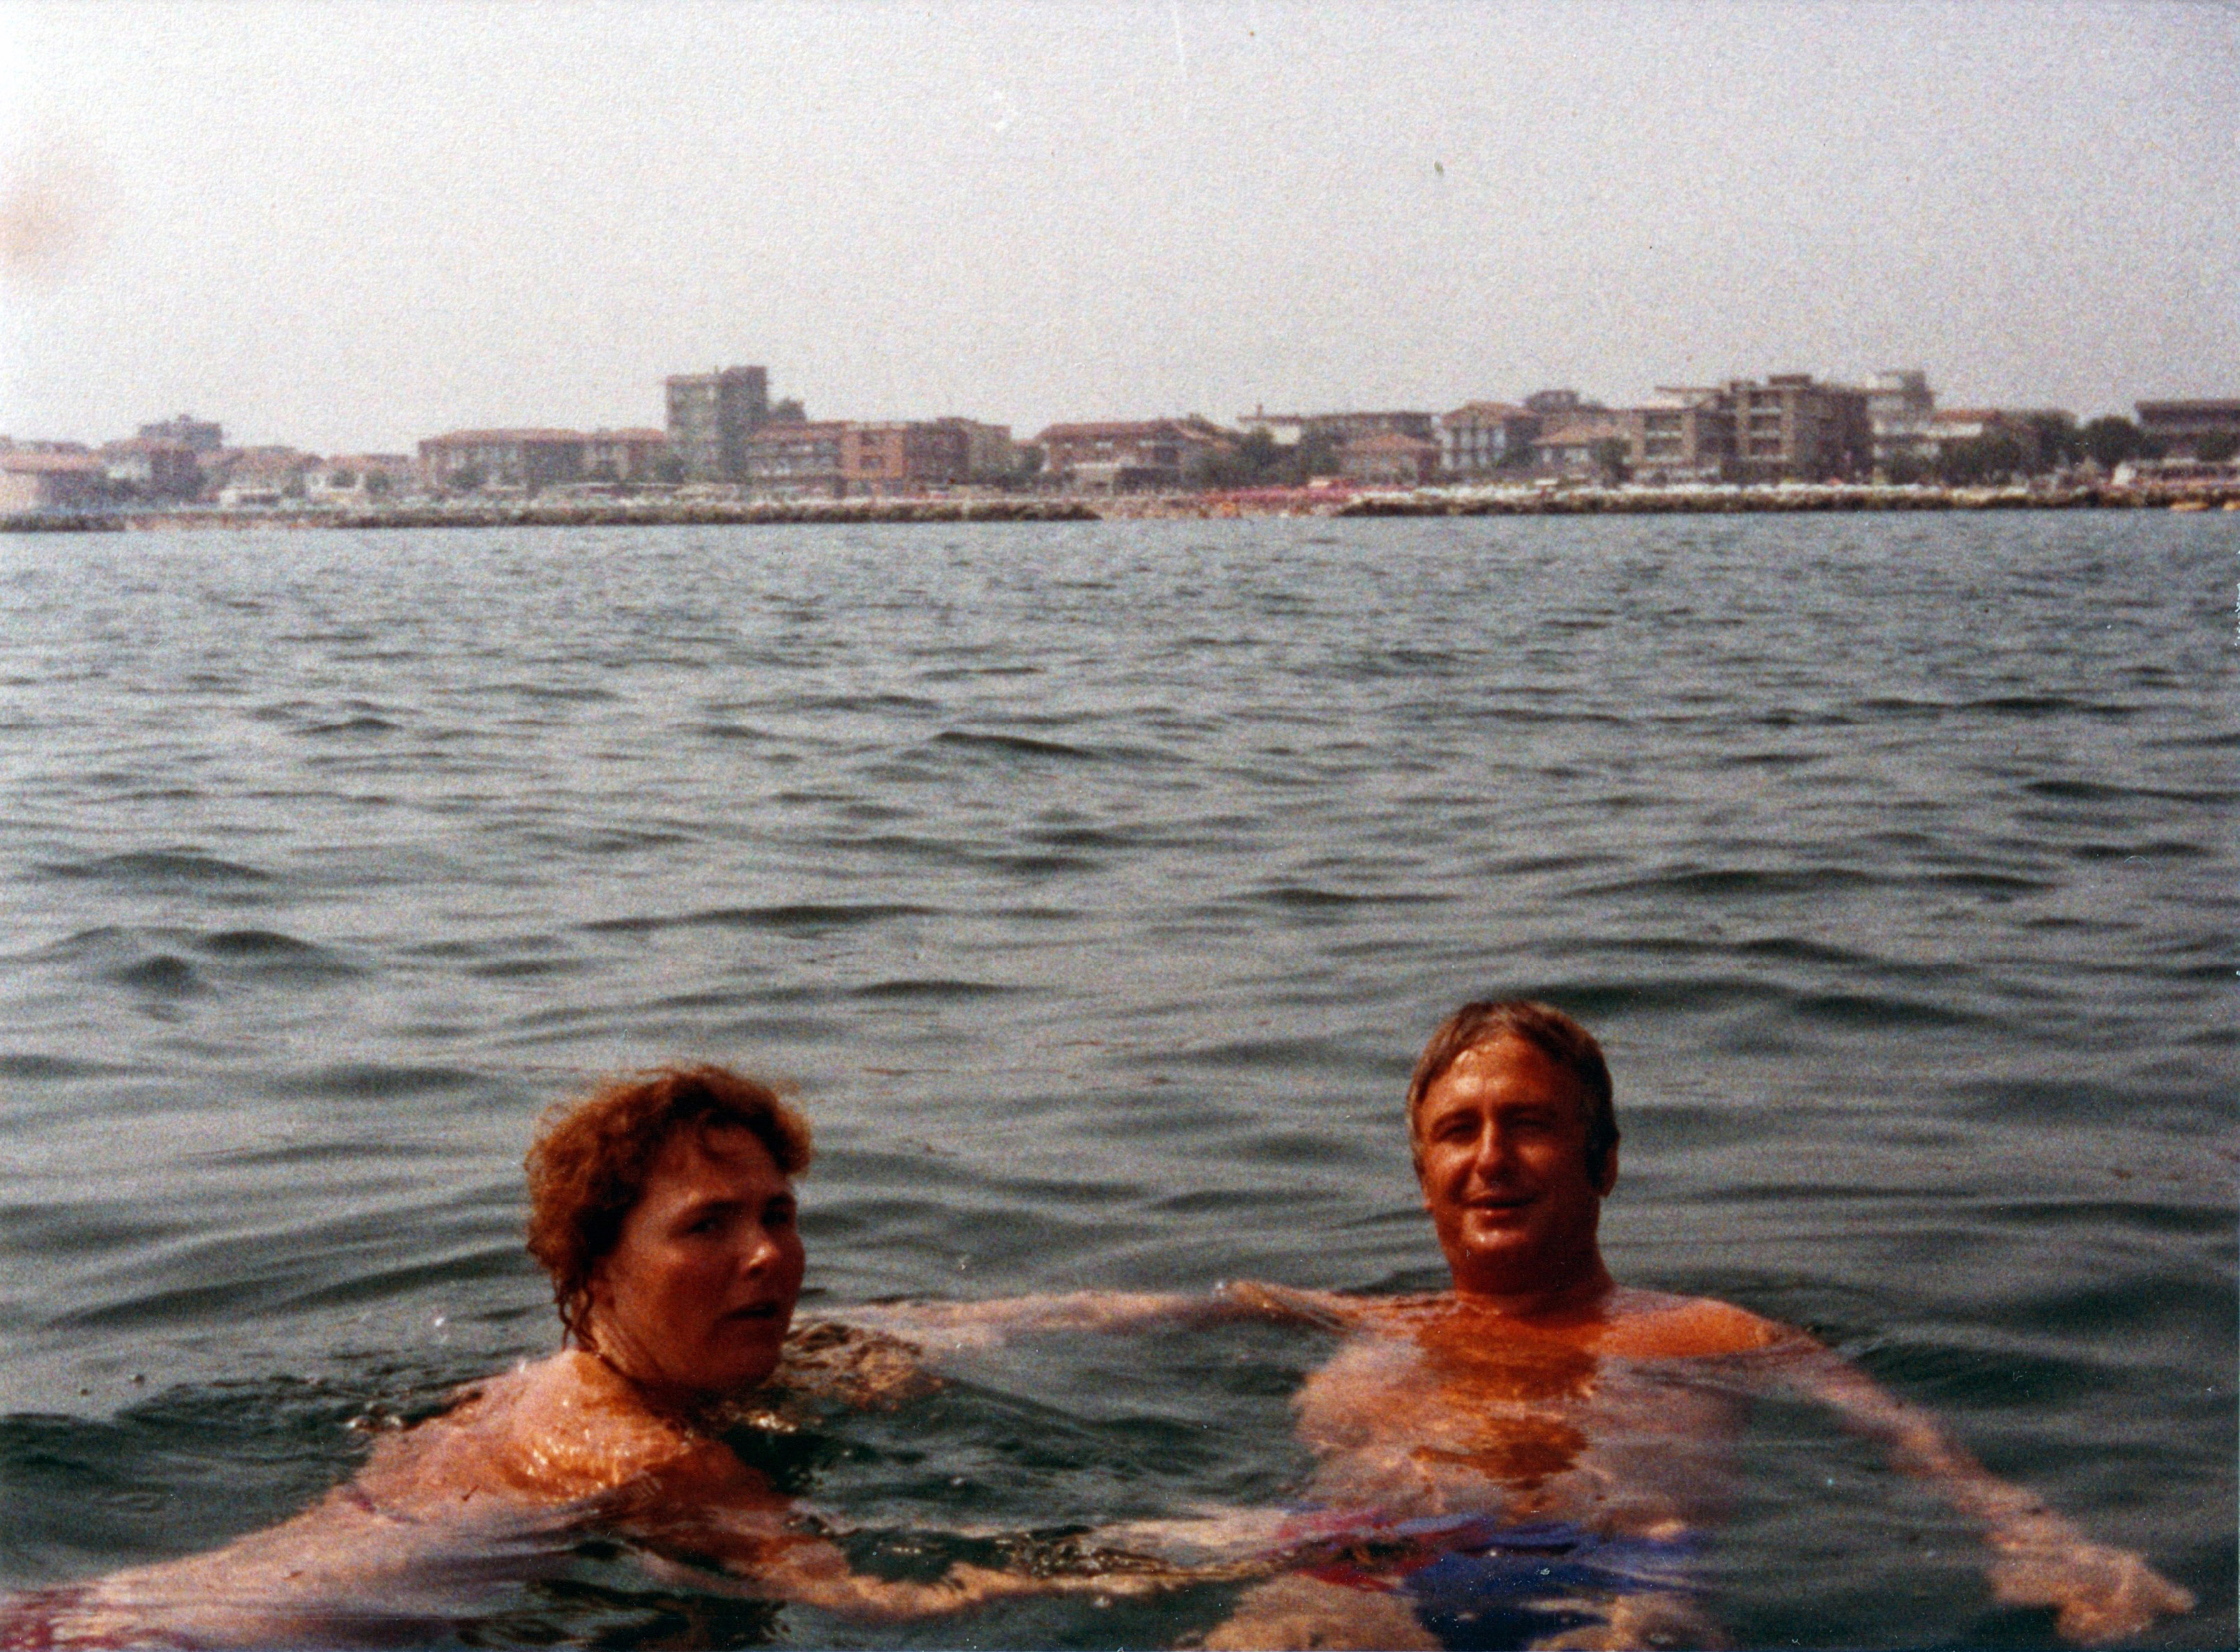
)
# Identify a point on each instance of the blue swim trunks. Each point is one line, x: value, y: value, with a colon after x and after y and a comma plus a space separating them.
x: 1480, y: 1585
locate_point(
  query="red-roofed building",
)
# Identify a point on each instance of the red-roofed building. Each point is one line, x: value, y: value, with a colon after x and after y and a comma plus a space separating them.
x: 1388, y: 460
x: 52, y: 480
x: 1575, y: 446
x: 2185, y: 427
x: 898, y: 458
x: 153, y: 468
x: 355, y: 478
x: 1479, y: 436
x: 1287, y: 429
x: 1119, y: 455
x: 527, y: 458
x: 259, y: 476
x: 797, y: 459
x: 625, y: 456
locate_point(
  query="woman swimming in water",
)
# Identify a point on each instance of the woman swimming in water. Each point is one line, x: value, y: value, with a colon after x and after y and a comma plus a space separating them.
x: 662, y: 1209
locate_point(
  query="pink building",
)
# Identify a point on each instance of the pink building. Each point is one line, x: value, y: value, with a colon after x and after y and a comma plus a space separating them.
x: 52, y: 481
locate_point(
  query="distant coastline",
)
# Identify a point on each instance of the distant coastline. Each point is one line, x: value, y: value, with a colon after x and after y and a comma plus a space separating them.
x: 1783, y: 498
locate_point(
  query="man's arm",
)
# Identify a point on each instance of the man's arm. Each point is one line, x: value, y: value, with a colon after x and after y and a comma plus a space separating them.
x: 2100, y: 1593
x: 952, y: 1326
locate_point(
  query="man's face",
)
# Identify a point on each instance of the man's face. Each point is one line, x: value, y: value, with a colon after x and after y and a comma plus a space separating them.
x: 1501, y: 1143
x: 697, y: 1295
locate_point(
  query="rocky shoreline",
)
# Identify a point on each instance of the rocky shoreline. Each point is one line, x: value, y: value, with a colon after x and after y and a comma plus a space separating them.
x: 1506, y: 502
x: 1793, y: 498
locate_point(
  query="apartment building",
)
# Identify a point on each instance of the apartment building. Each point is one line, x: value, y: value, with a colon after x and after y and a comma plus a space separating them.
x: 528, y: 458
x: 990, y: 453
x: 1480, y: 437
x: 625, y: 456
x: 153, y: 468
x: 1574, y: 445
x: 49, y: 481
x: 1288, y: 429
x: 1790, y: 428
x: 1901, y: 415
x: 798, y: 459
x: 1686, y: 434
x: 1119, y: 455
x: 1387, y: 459
x: 2181, y: 427
x: 713, y: 416
x: 199, y: 435
x: 908, y: 457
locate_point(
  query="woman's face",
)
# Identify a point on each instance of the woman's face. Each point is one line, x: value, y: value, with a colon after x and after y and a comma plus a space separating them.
x: 696, y: 1297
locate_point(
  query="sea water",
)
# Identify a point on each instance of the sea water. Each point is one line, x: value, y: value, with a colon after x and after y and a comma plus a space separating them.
x: 1096, y: 885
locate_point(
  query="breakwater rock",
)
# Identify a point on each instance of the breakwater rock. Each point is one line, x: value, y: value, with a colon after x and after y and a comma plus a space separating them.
x: 59, y: 522
x: 1573, y: 502
x: 745, y: 512
x: 571, y: 514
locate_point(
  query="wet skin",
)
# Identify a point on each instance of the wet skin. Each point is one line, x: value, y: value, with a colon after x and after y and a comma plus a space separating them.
x: 690, y: 1308
x: 1538, y: 1389
x: 1500, y: 1144
x: 1618, y: 1418
x: 696, y: 1295
x: 1520, y: 1392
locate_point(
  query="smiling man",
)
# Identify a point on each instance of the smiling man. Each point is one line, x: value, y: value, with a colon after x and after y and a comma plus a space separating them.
x: 1541, y: 1443
x: 1526, y: 1459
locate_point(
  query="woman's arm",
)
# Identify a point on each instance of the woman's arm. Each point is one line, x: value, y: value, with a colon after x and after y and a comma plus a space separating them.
x: 2100, y: 1593
x: 713, y: 1525
x: 816, y: 1572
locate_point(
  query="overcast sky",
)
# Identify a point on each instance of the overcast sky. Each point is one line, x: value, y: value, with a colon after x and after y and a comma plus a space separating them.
x: 348, y: 227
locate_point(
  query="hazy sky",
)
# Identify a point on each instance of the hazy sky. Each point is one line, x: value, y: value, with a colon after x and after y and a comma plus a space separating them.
x: 348, y: 227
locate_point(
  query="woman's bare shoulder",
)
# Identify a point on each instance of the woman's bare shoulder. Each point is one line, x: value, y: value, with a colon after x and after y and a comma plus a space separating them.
x: 557, y: 1430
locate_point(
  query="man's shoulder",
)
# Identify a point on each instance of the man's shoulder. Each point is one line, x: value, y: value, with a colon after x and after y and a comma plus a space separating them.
x: 1654, y: 1324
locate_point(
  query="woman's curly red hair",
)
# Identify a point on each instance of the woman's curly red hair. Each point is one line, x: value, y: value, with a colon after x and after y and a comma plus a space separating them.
x: 590, y: 1159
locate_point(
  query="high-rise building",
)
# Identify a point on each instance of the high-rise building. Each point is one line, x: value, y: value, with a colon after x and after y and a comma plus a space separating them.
x: 1790, y: 428
x: 197, y: 435
x: 1902, y: 409
x: 712, y: 418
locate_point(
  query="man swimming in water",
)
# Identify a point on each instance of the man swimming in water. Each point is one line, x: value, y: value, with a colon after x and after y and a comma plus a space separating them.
x: 1522, y: 1459
x: 662, y: 1207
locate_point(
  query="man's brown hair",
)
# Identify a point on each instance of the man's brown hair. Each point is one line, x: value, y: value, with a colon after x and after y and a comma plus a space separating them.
x: 1549, y: 1030
x: 588, y: 1163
